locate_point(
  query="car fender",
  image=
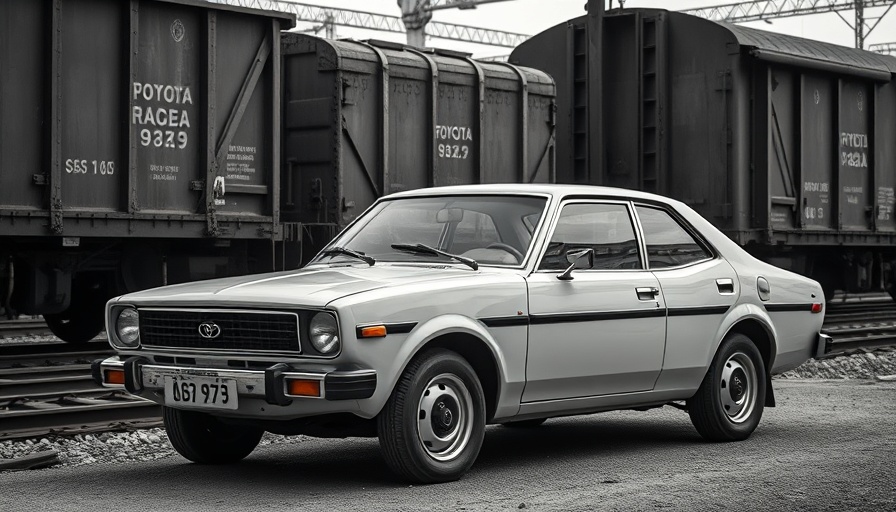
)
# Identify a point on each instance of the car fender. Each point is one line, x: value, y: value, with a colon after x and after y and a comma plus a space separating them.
x: 432, y: 329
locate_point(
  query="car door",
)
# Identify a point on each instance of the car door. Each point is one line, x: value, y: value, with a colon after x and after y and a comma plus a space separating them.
x: 697, y: 285
x: 603, y: 331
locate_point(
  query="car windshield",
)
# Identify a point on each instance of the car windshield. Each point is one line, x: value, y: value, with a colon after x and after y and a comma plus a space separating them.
x: 491, y: 230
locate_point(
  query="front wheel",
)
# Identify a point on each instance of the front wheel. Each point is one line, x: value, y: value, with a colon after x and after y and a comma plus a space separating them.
x: 204, y: 439
x: 433, y: 425
x: 730, y: 401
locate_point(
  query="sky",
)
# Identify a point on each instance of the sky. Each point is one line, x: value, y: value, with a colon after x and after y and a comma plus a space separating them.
x: 533, y: 16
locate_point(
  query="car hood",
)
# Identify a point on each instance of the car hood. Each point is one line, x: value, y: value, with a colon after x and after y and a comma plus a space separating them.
x: 316, y: 286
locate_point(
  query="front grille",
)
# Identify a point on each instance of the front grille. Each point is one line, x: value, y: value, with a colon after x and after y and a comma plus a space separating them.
x: 240, y: 331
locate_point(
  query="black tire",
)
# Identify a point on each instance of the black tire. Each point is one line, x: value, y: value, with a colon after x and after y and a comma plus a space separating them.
x: 76, y: 325
x: 537, y: 422
x: 731, y: 398
x: 423, y: 447
x: 204, y: 439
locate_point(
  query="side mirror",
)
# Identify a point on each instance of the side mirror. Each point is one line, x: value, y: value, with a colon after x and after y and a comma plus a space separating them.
x: 578, y: 260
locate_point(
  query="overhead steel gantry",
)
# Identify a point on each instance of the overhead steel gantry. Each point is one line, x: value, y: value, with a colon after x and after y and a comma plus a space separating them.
x: 889, y: 48
x: 766, y: 10
x: 330, y: 17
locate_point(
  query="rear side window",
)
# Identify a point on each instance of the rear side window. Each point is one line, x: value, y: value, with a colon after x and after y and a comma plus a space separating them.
x: 668, y: 243
x: 605, y: 228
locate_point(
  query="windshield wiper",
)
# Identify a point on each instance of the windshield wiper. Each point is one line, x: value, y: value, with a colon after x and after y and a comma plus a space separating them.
x: 425, y: 249
x: 348, y: 252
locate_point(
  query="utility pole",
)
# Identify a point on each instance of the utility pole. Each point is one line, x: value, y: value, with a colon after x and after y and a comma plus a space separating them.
x: 415, y: 18
x: 416, y: 14
x: 860, y: 24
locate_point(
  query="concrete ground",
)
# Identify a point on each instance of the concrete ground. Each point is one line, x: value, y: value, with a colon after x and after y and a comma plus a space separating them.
x: 829, y: 445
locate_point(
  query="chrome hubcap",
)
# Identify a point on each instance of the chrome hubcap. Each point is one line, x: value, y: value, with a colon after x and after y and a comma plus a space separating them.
x: 738, y: 390
x: 444, y: 417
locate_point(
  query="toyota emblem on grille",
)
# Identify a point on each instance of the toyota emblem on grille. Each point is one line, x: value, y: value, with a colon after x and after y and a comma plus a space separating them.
x: 209, y: 330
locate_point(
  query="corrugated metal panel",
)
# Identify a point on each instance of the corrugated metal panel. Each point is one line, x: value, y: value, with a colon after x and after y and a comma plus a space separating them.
x: 131, y: 112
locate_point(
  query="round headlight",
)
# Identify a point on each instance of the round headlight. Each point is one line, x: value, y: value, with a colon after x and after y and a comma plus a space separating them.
x: 127, y: 327
x: 324, y: 333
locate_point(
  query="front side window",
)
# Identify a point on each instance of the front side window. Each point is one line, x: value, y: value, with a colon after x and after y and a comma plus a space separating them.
x: 668, y: 243
x: 607, y: 229
x: 489, y: 229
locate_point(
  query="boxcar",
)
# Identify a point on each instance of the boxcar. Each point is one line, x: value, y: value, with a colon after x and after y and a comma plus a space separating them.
x: 139, y: 144
x: 788, y: 145
x: 363, y: 119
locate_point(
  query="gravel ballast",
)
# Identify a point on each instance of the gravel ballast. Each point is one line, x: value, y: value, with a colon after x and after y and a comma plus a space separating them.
x: 150, y: 444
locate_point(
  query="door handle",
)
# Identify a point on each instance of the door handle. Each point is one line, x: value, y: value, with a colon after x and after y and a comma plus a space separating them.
x: 725, y: 286
x: 647, y: 293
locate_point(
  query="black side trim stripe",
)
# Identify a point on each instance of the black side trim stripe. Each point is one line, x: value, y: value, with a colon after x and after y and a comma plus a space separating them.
x: 774, y: 308
x: 699, y: 310
x: 595, y: 316
x: 505, y: 321
x: 400, y: 328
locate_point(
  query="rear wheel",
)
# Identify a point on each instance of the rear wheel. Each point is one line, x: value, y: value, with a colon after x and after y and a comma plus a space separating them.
x: 204, y: 439
x: 730, y: 401
x: 77, y: 324
x: 85, y: 317
x: 433, y: 425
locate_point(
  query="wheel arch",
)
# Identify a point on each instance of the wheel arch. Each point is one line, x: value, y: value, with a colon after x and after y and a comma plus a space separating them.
x: 763, y: 337
x: 480, y: 356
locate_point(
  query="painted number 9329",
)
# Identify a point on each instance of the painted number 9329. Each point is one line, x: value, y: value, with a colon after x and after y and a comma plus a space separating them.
x: 163, y: 138
x: 453, y: 151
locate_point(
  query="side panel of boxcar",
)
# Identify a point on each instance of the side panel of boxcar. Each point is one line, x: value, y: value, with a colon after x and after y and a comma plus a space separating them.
x: 367, y: 119
x: 139, y: 145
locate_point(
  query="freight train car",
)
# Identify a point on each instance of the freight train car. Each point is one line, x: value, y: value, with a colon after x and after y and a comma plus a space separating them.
x: 138, y: 145
x: 148, y: 142
x: 788, y: 145
x: 364, y: 119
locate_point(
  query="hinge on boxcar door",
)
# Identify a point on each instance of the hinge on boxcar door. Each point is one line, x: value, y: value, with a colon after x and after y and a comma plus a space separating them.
x: 723, y: 80
x: 39, y: 179
x: 317, y: 194
x: 348, y: 94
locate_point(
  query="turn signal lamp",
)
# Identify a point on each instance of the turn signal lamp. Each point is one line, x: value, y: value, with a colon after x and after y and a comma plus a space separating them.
x: 817, y: 307
x: 114, y: 377
x: 373, y: 331
x: 297, y: 387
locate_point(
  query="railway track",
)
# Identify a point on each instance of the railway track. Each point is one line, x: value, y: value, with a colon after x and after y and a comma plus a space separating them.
x: 46, y: 388
x: 23, y: 327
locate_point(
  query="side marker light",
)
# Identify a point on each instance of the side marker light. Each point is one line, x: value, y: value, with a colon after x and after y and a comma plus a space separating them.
x: 113, y: 377
x: 303, y: 387
x: 817, y: 307
x: 373, y: 331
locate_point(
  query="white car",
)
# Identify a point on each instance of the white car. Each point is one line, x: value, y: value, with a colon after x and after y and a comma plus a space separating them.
x: 439, y: 311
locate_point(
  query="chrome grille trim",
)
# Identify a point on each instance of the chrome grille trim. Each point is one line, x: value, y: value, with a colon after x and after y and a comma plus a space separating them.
x: 184, y: 338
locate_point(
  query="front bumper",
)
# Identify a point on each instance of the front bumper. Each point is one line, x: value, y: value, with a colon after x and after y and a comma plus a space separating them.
x: 823, y: 345
x: 141, y: 377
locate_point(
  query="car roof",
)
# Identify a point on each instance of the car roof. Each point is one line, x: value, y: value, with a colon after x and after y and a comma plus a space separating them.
x: 556, y: 190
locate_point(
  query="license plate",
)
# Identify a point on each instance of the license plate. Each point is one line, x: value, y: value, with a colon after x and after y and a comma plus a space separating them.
x: 205, y: 392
